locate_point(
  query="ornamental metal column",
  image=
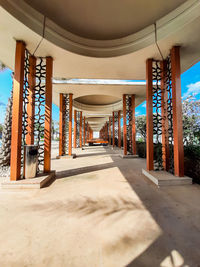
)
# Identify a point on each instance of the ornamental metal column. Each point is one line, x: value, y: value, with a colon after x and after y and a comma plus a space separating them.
x: 87, y: 131
x: 134, y: 149
x: 124, y: 126
x: 119, y: 128
x: 16, y: 135
x: 164, y: 115
x: 32, y: 109
x: 113, y: 129
x: 61, y: 126
x: 177, y: 112
x: 70, y: 123
x: 84, y: 131
x: 65, y: 129
x: 75, y: 128
x: 31, y: 101
x: 165, y: 121
x: 129, y: 133
x: 116, y: 127
x: 109, y: 131
x: 80, y: 129
x: 149, y: 115
x: 48, y: 115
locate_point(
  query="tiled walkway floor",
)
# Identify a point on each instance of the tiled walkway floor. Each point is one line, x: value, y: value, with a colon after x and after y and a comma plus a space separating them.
x: 101, y: 211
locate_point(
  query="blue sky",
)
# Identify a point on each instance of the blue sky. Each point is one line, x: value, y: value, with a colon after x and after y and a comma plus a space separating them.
x: 190, y: 82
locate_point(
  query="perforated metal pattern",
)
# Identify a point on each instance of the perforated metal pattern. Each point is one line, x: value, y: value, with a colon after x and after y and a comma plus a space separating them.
x: 157, y: 117
x: 65, y: 124
x: 40, y: 108
x: 25, y: 102
x: 111, y: 128
x: 157, y: 74
x: 170, y: 115
x: 129, y: 123
x: 116, y: 127
x: 78, y: 117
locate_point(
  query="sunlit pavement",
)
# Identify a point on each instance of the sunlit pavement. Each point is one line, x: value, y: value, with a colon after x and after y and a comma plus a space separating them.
x: 101, y: 211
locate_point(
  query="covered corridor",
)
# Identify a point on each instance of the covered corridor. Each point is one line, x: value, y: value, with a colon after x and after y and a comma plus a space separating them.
x: 100, y: 211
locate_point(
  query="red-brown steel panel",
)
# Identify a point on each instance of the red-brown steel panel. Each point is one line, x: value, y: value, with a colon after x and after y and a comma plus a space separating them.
x: 177, y: 112
x: 119, y: 128
x: 133, y: 124
x: 61, y: 126
x: 48, y: 115
x: 70, y: 123
x: 16, y: 135
x: 124, y: 125
x: 165, y: 125
x: 149, y: 117
x: 31, y: 102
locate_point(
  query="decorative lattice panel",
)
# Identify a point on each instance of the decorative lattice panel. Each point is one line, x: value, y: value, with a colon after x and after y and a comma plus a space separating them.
x: 160, y: 102
x: 25, y: 102
x: 40, y: 108
x: 116, y: 127
x: 39, y: 99
x: 129, y: 123
x: 65, y: 148
x: 111, y: 128
x: 170, y: 115
x: 78, y: 118
x: 157, y: 117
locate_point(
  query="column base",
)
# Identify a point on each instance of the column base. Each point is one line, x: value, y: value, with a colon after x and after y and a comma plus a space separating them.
x: 128, y: 156
x: 163, y: 178
x: 73, y: 156
x: 33, y: 183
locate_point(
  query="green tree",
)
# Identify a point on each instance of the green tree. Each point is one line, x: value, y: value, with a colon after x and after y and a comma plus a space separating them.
x: 141, y: 126
x: 191, y: 121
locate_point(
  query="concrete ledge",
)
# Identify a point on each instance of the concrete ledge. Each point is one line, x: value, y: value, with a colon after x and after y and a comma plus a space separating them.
x: 34, y: 183
x: 73, y: 156
x: 163, y: 178
x: 128, y: 156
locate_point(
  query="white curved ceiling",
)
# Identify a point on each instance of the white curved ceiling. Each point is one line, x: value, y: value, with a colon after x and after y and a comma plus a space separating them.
x: 100, y: 39
x: 103, y: 19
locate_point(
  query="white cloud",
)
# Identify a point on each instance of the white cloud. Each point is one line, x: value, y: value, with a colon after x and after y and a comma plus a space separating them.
x: 144, y: 105
x: 193, y: 89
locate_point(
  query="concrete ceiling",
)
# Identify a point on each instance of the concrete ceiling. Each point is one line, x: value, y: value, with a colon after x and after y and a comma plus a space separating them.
x: 103, y: 19
x: 107, y: 98
x: 100, y: 39
x: 97, y: 99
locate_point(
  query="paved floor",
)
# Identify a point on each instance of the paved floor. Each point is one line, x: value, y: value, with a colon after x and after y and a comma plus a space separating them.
x: 101, y: 211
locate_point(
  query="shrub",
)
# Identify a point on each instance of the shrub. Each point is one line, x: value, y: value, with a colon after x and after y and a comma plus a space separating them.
x: 191, y: 158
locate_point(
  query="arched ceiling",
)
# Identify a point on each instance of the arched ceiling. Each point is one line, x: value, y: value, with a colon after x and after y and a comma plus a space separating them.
x: 100, y: 39
x: 104, y: 19
x: 97, y: 99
